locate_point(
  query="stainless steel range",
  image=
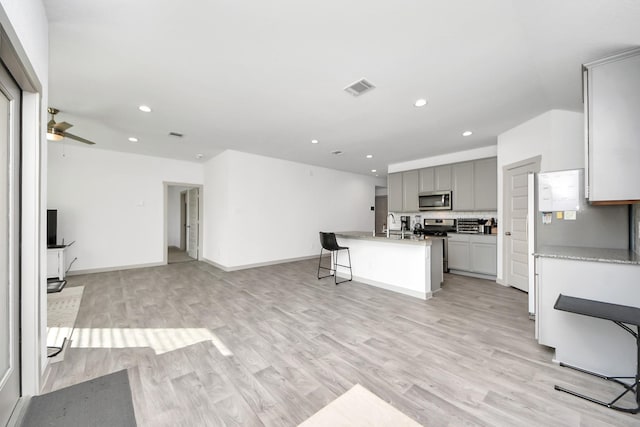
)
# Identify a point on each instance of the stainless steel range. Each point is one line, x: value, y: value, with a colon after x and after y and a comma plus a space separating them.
x: 439, y: 228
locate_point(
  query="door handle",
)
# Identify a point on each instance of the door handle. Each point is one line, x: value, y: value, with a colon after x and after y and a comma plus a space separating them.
x: 507, y: 233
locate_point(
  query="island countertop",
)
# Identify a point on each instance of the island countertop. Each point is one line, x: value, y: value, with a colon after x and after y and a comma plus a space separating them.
x: 411, y: 239
x: 616, y: 256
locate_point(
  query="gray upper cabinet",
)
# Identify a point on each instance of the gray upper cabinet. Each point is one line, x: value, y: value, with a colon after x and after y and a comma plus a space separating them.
x: 410, y: 191
x: 474, y: 185
x: 427, y: 179
x: 435, y: 178
x: 463, y: 191
x: 485, y: 184
x: 394, y: 190
x: 442, y: 176
x: 612, y: 108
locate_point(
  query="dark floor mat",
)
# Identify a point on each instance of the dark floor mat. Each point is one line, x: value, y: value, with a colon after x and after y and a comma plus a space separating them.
x: 103, y: 401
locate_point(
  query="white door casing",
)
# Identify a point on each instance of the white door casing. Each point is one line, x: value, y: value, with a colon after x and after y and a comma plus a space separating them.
x: 516, y: 209
x: 10, y: 109
x: 193, y: 222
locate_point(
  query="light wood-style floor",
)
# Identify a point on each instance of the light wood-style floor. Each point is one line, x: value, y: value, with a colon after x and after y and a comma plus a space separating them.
x: 283, y: 344
x: 175, y: 254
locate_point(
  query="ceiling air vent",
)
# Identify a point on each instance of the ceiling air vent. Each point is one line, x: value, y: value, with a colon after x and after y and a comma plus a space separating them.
x: 359, y: 87
x: 336, y: 152
x: 176, y: 134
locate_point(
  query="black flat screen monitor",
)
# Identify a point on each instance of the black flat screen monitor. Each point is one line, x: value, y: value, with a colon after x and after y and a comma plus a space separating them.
x: 52, y: 227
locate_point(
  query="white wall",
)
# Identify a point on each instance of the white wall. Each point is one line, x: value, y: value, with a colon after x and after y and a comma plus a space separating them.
x: 26, y: 26
x: 261, y: 210
x: 557, y: 136
x: 173, y: 214
x: 444, y: 159
x: 112, y: 204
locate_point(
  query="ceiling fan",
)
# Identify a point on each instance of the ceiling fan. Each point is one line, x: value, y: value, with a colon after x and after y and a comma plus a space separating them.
x: 58, y: 131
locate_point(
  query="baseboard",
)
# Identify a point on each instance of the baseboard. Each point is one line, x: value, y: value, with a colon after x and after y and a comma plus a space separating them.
x: 19, y: 412
x: 470, y: 274
x: 416, y: 294
x: 259, y: 264
x: 45, y: 374
x: 117, y: 268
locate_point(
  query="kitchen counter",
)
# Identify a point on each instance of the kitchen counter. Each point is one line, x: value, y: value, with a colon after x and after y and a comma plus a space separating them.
x: 606, y: 275
x: 617, y: 256
x: 411, y: 266
x: 410, y: 238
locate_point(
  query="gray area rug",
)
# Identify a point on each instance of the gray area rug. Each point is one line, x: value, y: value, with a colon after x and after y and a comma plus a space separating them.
x: 103, y: 401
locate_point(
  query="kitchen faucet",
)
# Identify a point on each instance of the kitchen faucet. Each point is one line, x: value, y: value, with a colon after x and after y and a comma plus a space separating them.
x: 389, y: 225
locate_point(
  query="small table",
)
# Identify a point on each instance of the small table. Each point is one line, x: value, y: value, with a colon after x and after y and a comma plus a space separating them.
x: 622, y: 316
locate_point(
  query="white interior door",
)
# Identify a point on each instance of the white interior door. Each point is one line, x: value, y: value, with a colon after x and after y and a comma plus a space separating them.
x: 193, y: 223
x: 516, y: 209
x: 183, y: 221
x: 9, y: 245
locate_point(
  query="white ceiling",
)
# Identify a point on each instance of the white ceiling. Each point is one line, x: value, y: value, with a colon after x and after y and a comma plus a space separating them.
x: 266, y: 77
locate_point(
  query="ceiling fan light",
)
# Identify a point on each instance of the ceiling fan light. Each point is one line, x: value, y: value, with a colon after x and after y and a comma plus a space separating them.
x: 53, y: 136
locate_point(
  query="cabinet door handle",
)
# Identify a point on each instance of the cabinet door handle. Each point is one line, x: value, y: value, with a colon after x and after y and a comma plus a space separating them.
x: 507, y: 233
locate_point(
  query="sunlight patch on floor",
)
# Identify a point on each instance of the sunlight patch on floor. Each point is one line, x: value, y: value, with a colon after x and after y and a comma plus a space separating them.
x: 161, y: 340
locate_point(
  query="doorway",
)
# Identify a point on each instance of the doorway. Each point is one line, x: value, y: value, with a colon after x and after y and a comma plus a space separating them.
x: 381, y: 207
x: 516, y: 230
x: 183, y: 230
x: 10, y: 146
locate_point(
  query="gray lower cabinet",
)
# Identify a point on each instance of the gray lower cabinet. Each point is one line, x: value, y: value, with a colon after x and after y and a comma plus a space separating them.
x: 410, y: 191
x: 484, y: 254
x: 473, y: 253
x: 394, y: 191
x: 458, y: 254
x: 463, y: 191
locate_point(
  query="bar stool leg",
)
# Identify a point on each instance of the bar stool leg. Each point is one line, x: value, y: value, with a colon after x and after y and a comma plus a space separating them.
x: 633, y: 388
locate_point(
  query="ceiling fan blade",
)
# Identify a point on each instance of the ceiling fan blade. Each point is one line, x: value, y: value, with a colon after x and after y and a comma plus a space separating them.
x: 77, y: 138
x: 62, y: 126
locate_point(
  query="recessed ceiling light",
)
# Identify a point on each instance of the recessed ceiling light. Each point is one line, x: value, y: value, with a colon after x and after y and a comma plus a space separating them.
x: 467, y: 133
x: 369, y: 156
x: 314, y: 141
x: 199, y: 156
x: 420, y: 102
x: 144, y: 108
x: 373, y: 171
x: 133, y: 139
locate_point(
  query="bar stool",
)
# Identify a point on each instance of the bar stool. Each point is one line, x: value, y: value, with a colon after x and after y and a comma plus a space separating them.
x: 329, y: 243
x: 621, y: 315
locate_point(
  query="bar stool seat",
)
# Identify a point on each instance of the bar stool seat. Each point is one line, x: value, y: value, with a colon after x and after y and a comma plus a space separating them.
x: 329, y: 243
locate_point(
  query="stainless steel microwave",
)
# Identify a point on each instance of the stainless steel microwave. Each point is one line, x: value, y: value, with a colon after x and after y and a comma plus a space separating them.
x: 434, y: 201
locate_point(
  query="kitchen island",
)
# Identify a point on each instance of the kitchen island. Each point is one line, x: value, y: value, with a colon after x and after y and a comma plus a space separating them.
x: 605, y: 275
x: 410, y: 265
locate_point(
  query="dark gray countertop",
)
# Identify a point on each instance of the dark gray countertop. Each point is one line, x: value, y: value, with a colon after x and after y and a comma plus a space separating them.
x: 395, y: 238
x: 618, y: 256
